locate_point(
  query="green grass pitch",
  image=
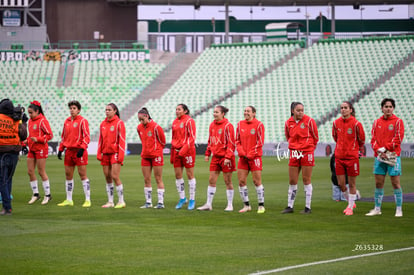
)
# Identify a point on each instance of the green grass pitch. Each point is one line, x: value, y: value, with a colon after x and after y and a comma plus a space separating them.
x: 49, y: 239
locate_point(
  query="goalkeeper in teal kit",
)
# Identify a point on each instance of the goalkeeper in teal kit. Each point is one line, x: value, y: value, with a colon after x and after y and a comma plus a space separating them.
x: 387, y: 136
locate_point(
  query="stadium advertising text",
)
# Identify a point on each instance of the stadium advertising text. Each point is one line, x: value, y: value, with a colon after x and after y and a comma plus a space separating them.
x: 11, y: 56
x: 114, y: 55
x: 127, y: 55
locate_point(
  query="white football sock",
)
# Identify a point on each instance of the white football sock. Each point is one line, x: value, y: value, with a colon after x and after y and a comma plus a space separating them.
x: 179, y: 183
x: 210, y: 194
x: 161, y: 195
x: 69, y: 189
x: 230, y: 195
x: 346, y: 195
x: 244, y: 193
x: 192, y: 188
x: 260, y: 194
x: 87, y: 189
x: 46, y: 187
x: 308, y: 195
x: 351, y: 200
x: 148, y: 194
x: 120, y: 191
x: 110, y: 191
x: 33, y: 185
x: 292, y: 195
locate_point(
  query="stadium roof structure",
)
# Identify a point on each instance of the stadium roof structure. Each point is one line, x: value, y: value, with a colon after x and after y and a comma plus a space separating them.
x: 274, y: 3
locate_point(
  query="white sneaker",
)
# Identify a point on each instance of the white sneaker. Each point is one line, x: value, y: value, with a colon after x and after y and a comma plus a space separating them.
x: 205, y: 207
x: 246, y: 208
x: 46, y: 199
x: 229, y: 208
x: 373, y: 212
x: 398, y: 213
x: 34, y: 199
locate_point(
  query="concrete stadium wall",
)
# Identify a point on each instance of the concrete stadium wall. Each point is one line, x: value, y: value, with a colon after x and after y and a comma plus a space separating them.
x: 79, y: 19
x: 30, y: 37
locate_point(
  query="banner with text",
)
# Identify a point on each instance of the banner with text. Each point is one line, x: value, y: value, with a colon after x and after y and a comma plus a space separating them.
x: 76, y: 55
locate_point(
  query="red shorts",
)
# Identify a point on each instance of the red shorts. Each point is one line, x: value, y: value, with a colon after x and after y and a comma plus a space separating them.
x: 349, y: 167
x: 217, y: 164
x: 157, y: 161
x: 42, y: 154
x: 72, y: 160
x: 250, y: 164
x: 299, y: 158
x: 109, y: 159
x: 187, y: 161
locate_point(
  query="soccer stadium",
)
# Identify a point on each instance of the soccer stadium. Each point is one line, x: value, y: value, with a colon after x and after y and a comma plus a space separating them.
x: 203, y: 53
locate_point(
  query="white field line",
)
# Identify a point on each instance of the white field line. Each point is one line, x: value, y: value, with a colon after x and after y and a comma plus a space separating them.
x: 331, y: 261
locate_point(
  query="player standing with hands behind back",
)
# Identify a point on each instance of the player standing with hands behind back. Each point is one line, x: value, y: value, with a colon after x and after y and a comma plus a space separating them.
x: 221, y: 144
x: 250, y: 135
x: 111, y: 153
x: 183, y: 154
x: 349, y: 136
x: 153, y: 142
x: 39, y: 134
x: 302, y: 135
x: 75, y: 139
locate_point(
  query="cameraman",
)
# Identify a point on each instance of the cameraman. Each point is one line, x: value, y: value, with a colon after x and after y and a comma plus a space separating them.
x: 13, y: 131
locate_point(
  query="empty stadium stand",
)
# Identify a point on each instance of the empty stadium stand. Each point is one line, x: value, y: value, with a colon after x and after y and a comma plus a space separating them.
x: 268, y: 76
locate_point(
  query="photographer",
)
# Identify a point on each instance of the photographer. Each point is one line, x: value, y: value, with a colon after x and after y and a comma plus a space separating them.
x: 13, y: 131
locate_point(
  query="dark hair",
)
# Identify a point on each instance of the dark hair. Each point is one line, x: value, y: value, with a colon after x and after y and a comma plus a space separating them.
x: 115, y: 108
x: 35, y: 105
x: 385, y: 100
x: 253, y: 108
x: 350, y: 107
x: 76, y: 103
x: 222, y: 109
x: 144, y: 111
x: 293, y: 106
x: 185, y: 108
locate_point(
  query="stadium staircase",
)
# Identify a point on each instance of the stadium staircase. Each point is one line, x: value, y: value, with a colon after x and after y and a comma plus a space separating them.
x: 162, y: 83
x: 177, y: 64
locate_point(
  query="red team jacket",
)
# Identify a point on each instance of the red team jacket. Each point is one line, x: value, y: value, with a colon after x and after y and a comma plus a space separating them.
x: 153, y: 139
x: 112, y: 138
x: 221, y: 139
x: 75, y: 134
x: 387, y: 133
x: 303, y: 135
x: 183, y: 135
x: 250, y: 138
x: 349, y: 136
x: 40, y: 129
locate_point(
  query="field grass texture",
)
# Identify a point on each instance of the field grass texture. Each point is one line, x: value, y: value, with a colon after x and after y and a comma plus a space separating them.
x: 49, y: 239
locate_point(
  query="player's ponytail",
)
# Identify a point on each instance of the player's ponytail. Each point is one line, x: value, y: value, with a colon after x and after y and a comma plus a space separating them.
x: 113, y: 106
x: 351, y: 107
x: 223, y: 109
x: 185, y: 108
x: 36, y: 106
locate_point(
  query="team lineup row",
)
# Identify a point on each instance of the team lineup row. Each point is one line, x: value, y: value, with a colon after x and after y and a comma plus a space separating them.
x: 300, y: 130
